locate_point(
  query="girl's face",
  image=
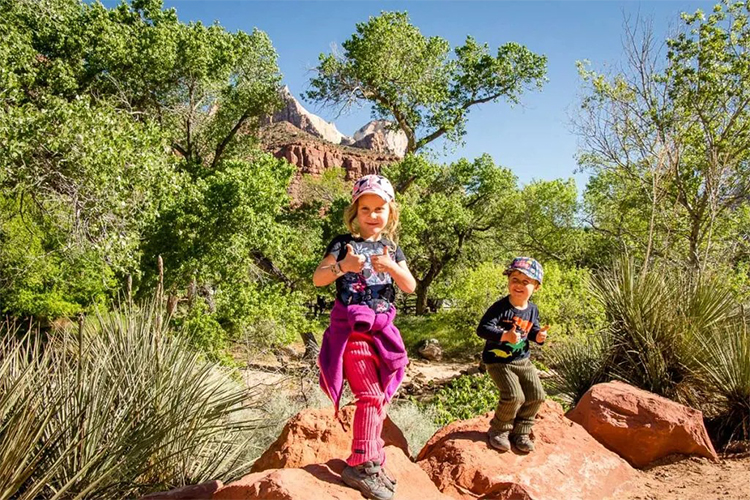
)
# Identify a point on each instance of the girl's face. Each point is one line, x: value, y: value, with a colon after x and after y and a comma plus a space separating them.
x: 373, y: 213
x: 521, y: 287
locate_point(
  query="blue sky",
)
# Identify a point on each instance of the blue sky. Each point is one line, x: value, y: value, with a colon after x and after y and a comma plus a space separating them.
x: 535, y: 140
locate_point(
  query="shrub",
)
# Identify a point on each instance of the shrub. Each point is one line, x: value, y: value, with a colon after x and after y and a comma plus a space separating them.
x: 115, y: 410
x: 417, y: 422
x: 723, y: 362
x: 203, y: 331
x: 579, y: 362
x: 566, y: 301
x: 465, y: 397
x: 650, y: 320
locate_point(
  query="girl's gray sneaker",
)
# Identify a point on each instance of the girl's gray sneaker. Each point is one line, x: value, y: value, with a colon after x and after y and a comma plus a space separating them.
x: 368, y: 478
x: 389, y: 482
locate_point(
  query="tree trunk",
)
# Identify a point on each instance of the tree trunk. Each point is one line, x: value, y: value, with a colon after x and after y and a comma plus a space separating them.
x: 311, y: 345
x: 423, y: 284
x: 422, y: 288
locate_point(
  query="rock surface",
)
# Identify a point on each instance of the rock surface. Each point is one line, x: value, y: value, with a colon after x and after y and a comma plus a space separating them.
x: 314, y: 436
x: 568, y: 464
x: 430, y: 350
x: 294, y: 113
x: 312, y: 155
x: 323, y: 481
x: 203, y: 491
x: 640, y: 426
x: 376, y: 136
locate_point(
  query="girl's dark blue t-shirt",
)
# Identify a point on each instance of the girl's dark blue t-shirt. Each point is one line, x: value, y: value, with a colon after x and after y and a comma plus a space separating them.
x: 366, y: 286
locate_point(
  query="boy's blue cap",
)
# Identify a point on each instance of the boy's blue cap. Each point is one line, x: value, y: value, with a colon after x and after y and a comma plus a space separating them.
x: 527, y: 266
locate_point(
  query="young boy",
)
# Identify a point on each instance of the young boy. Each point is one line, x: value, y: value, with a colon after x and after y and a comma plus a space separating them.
x: 508, y: 326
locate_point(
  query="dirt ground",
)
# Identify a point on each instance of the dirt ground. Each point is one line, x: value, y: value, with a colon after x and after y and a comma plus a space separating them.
x: 681, y: 478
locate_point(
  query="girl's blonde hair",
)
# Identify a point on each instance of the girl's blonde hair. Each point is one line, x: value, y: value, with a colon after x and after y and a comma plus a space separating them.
x: 390, y: 230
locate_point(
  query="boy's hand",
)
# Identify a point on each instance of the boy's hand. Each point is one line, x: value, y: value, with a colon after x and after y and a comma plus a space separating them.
x: 353, y: 262
x: 541, y: 335
x: 511, y: 336
x: 382, y: 263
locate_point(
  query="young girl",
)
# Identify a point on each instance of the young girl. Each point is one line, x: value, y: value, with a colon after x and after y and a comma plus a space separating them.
x: 361, y: 344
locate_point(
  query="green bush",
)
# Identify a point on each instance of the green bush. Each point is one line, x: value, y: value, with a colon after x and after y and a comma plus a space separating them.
x: 118, y: 410
x: 566, y: 302
x: 723, y: 361
x: 203, y: 331
x: 651, y: 321
x: 264, y: 314
x: 417, y: 422
x: 473, y: 291
x: 579, y: 362
x: 465, y: 397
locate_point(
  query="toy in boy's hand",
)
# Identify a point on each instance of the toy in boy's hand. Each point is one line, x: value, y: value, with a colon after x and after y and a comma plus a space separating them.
x: 541, y: 335
x: 353, y: 262
x: 511, y: 336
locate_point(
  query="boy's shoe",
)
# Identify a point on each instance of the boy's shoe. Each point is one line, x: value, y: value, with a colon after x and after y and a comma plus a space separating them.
x: 499, y: 439
x: 368, y: 479
x: 523, y: 442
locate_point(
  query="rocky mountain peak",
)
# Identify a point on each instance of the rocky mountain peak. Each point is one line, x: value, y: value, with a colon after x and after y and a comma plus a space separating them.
x: 377, y: 135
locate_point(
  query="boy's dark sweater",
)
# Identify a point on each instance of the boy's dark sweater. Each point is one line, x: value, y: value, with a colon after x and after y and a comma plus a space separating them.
x: 499, y: 318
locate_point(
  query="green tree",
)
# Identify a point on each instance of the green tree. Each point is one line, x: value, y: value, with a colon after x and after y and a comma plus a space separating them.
x: 204, y: 84
x: 449, y: 212
x: 670, y: 134
x: 412, y: 81
x: 80, y: 182
x: 548, y: 227
x: 94, y: 104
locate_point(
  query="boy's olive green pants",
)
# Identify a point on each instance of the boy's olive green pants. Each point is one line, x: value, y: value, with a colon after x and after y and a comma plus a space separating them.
x: 521, y: 395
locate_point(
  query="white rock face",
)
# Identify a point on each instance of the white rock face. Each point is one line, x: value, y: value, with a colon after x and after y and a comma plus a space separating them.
x: 376, y: 135
x: 294, y: 113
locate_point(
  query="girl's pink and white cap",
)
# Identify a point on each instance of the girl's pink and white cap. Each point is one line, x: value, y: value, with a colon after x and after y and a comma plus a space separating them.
x: 375, y: 184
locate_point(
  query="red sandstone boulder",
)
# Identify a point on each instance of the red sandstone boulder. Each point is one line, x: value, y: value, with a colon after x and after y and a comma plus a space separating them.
x: 323, y: 481
x: 203, y: 491
x: 568, y: 464
x: 314, y: 436
x: 640, y: 426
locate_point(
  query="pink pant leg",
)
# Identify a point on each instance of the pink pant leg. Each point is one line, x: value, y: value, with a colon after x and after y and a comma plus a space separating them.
x: 361, y: 371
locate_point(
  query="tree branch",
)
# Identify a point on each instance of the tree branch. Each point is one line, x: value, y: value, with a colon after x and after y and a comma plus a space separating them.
x: 223, y: 144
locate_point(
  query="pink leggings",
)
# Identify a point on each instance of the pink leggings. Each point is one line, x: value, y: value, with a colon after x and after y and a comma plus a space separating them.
x: 361, y: 371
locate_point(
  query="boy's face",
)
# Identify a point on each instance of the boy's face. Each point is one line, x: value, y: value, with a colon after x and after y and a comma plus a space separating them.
x: 520, y: 286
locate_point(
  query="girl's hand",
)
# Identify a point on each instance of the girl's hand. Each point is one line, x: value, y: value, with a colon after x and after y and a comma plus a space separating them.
x: 511, y: 336
x: 541, y: 335
x: 353, y: 262
x: 383, y: 263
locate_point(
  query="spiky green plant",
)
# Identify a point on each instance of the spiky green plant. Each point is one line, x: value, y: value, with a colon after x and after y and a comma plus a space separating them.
x: 650, y: 317
x: 723, y: 364
x: 114, y: 410
x: 579, y: 362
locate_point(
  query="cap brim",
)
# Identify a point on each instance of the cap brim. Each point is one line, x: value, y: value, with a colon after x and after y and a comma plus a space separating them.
x: 508, y: 272
x: 384, y: 196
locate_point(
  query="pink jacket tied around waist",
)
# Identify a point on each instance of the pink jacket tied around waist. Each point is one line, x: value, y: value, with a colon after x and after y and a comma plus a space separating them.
x: 385, y: 337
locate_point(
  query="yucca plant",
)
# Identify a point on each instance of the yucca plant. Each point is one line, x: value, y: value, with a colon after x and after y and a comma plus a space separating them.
x: 723, y: 364
x: 651, y: 317
x: 119, y: 408
x: 579, y: 362
x: 26, y: 413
